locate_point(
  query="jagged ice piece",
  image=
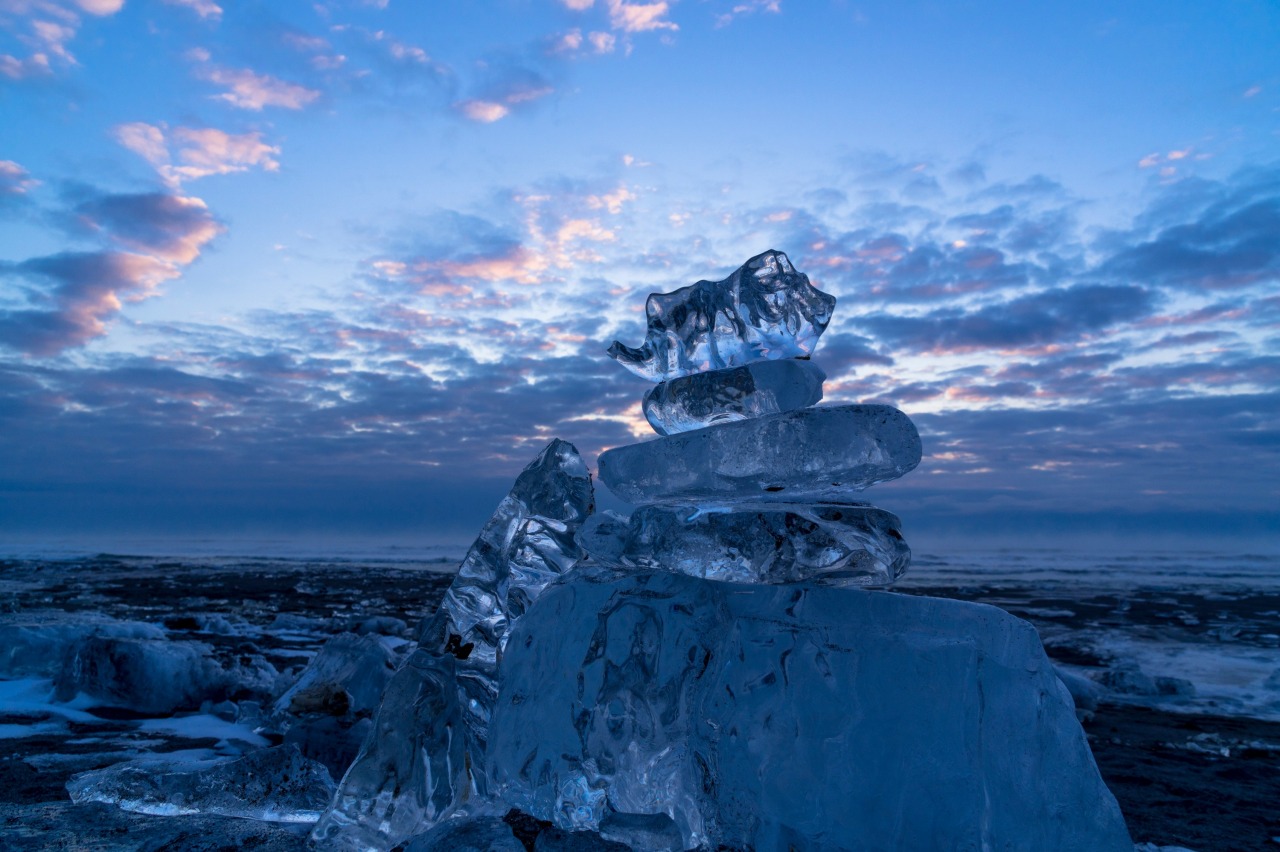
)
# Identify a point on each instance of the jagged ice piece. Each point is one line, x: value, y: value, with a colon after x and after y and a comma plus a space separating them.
x: 835, y: 545
x: 734, y: 393
x: 807, y: 455
x: 764, y: 310
x: 424, y: 758
x: 793, y: 717
x: 276, y: 785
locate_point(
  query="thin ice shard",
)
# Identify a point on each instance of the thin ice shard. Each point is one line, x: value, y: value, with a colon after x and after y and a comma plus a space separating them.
x: 808, y: 455
x: 734, y: 393
x: 845, y: 545
x: 764, y: 310
x: 424, y: 758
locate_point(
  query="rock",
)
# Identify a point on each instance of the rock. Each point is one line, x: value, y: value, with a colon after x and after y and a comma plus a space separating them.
x: 838, y: 545
x: 809, y: 455
x: 764, y: 310
x: 801, y: 717
x: 734, y: 393
x: 424, y: 757
x: 276, y: 785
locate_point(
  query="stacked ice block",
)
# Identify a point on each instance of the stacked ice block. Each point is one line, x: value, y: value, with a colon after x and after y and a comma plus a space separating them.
x: 750, y: 482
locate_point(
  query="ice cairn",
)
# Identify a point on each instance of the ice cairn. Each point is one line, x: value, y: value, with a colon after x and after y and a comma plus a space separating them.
x: 713, y: 673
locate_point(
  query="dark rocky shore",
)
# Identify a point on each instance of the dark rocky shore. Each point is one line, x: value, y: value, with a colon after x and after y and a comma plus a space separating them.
x: 1199, y: 780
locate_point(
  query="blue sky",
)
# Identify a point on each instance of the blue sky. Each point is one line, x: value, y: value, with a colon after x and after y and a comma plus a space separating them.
x: 346, y: 267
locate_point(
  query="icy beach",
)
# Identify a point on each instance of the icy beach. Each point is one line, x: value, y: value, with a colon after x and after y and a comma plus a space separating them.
x: 1192, y: 766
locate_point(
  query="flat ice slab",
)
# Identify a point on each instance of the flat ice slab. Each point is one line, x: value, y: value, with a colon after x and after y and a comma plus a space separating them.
x: 810, y: 455
x: 803, y: 717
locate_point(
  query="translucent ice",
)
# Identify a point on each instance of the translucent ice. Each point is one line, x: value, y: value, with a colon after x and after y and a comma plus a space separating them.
x: 153, y: 676
x: 478, y: 834
x: 793, y: 717
x: 424, y: 758
x: 812, y: 454
x: 277, y: 785
x: 734, y: 393
x: 764, y: 310
x: 837, y: 545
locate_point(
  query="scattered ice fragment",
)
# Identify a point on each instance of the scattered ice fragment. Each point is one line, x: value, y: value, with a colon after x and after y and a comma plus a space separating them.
x: 812, y: 454
x: 424, y: 758
x: 37, y: 643
x: 476, y: 834
x: 764, y: 310
x: 836, y: 545
x: 276, y: 785
x: 734, y: 393
x: 151, y: 676
x: 798, y: 716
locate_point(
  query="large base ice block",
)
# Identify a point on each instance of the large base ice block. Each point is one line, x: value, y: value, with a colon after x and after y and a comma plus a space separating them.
x: 813, y: 455
x: 424, y: 758
x: 735, y: 393
x: 763, y: 543
x: 793, y: 717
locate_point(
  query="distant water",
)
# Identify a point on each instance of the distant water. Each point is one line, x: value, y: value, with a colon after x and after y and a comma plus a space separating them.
x: 1179, y: 567
x: 931, y: 566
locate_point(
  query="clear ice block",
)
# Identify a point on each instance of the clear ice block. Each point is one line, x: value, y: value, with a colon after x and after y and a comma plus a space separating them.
x: 424, y: 758
x: 811, y: 455
x: 835, y: 545
x: 793, y: 717
x: 764, y: 310
x: 734, y: 393
x: 276, y: 785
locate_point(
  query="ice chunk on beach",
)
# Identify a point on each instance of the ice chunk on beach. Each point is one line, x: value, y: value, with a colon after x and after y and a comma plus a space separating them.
x: 794, y: 716
x: 424, y: 758
x: 837, y: 545
x: 37, y: 643
x: 734, y: 393
x: 152, y: 676
x: 810, y: 455
x: 764, y: 310
x: 276, y: 785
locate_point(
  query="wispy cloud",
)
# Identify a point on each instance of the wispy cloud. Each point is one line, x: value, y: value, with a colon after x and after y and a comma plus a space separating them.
x: 748, y: 8
x: 247, y: 89
x: 46, y: 28
x: 201, y: 152
x: 204, y: 8
x: 640, y: 17
x: 14, y: 179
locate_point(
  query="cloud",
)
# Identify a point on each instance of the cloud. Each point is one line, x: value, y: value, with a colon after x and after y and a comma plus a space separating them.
x: 201, y: 152
x: 1210, y: 236
x: 748, y: 8
x: 509, y: 87
x: 1056, y: 315
x: 249, y: 90
x: 82, y: 290
x: 578, y: 5
x: 50, y: 26
x: 67, y: 298
x: 172, y: 228
x: 204, y: 8
x: 640, y: 17
x: 14, y: 179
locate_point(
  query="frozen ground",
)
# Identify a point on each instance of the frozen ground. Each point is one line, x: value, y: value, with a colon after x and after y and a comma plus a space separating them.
x: 1178, y: 652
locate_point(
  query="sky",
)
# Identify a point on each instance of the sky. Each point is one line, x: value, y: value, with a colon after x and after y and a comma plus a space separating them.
x: 344, y: 268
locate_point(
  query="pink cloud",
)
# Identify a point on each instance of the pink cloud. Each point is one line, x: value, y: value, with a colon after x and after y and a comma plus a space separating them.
x: 201, y: 152
x: 249, y: 90
x: 14, y: 179
x: 485, y: 112
x: 203, y: 8
x: 640, y: 17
